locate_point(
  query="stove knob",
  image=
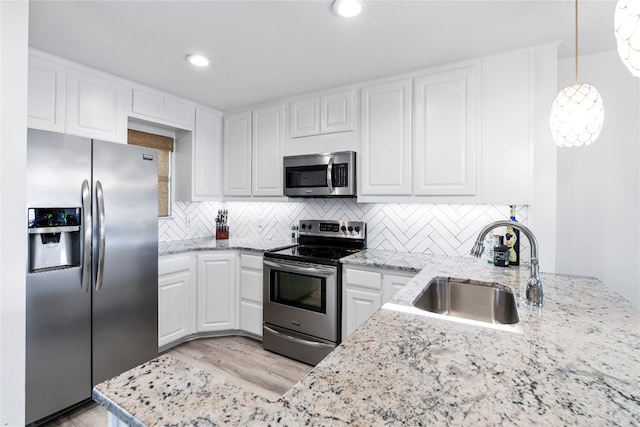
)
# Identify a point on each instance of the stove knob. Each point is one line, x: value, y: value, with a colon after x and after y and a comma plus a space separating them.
x: 343, y: 228
x: 350, y: 229
x: 357, y: 229
x: 309, y: 227
x: 303, y: 226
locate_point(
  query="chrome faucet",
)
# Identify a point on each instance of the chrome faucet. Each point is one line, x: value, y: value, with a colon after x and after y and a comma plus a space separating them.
x: 534, y: 284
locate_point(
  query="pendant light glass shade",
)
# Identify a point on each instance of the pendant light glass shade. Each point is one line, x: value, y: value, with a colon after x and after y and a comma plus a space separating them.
x: 577, y: 116
x: 626, y: 24
x: 577, y: 113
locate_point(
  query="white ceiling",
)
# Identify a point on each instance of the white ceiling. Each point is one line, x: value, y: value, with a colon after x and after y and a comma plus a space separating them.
x: 264, y: 50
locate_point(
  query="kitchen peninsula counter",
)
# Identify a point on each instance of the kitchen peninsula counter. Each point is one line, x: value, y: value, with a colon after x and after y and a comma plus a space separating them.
x: 212, y: 244
x: 575, y: 362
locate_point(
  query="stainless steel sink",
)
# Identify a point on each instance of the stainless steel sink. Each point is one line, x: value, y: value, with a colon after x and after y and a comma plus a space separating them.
x: 469, y: 299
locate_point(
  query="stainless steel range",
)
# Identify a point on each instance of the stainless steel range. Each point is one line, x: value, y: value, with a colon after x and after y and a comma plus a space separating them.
x: 303, y: 289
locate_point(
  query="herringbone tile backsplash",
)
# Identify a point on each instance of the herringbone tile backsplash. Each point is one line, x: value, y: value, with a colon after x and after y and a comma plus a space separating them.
x: 419, y: 228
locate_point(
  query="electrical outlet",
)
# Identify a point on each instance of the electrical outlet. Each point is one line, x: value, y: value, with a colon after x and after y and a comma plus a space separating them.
x: 260, y: 221
x: 187, y: 221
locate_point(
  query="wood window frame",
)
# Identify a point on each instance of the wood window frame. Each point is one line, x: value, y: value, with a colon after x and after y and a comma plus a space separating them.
x: 165, y: 146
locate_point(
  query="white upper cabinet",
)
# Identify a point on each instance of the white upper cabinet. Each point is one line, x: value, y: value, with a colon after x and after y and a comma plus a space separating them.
x: 46, y: 97
x: 237, y: 154
x: 208, y: 153
x: 268, y: 150
x: 305, y: 117
x: 69, y: 98
x: 198, y: 158
x: 157, y: 106
x: 444, y: 138
x: 507, y: 128
x: 336, y: 114
x: 331, y: 113
x: 95, y: 106
x: 385, y: 153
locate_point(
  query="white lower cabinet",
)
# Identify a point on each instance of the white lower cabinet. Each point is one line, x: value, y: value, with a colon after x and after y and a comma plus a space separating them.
x: 392, y: 283
x: 216, y: 295
x: 250, y: 316
x: 176, y: 298
x: 365, y: 290
x: 221, y: 291
x: 358, y: 306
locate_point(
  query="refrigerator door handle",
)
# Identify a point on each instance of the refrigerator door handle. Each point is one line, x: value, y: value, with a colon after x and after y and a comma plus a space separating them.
x: 88, y: 232
x: 101, y: 237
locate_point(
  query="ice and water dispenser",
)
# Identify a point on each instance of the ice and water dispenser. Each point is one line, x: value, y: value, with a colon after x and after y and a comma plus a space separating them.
x: 54, y: 238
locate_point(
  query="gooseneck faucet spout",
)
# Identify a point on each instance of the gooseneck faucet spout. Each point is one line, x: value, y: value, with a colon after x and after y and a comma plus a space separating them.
x: 534, y: 284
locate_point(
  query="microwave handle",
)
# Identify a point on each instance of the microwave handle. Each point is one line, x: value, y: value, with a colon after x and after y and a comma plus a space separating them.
x: 329, y: 175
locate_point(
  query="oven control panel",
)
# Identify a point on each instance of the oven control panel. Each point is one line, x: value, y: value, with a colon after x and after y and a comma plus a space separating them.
x: 333, y: 228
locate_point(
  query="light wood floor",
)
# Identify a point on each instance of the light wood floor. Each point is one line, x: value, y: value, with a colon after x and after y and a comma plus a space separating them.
x: 241, y: 361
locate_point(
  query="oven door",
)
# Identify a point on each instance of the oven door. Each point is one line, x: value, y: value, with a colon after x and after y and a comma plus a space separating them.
x: 302, y: 297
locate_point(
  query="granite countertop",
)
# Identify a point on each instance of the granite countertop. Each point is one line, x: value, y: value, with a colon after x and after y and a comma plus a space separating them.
x: 574, y: 362
x: 210, y: 243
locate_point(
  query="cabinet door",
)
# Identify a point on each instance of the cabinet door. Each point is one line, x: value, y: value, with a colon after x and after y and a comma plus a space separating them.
x: 237, y: 155
x: 176, y: 299
x: 95, y: 107
x: 149, y: 104
x: 268, y: 149
x: 305, y: 117
x: 336, y: 112
x: 251, y: 288
x: 207, y: 155
x: 392, y: 283
x: 180, y: 112
x: 46, y: 97
x: 444, y: 155
x: 359, y: 305
x: 216, y: 292
x: 385, y: 158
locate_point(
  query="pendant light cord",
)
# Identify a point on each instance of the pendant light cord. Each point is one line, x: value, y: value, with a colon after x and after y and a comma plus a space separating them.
x: 576, y: 41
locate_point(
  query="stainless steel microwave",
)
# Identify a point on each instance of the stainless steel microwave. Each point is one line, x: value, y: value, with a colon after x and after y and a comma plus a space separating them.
x: 320, y: 175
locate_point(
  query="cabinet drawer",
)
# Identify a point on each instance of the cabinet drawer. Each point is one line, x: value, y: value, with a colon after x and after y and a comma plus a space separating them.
x: 168, y: 265
x: 363, y: 278
x: 251, y: 261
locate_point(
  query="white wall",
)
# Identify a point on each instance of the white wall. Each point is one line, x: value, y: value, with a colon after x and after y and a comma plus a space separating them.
x: 599, y: 185
x: 14, y: 24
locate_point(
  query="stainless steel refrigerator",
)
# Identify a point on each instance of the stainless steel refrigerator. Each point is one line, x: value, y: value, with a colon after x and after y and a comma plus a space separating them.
x: 92, y: 270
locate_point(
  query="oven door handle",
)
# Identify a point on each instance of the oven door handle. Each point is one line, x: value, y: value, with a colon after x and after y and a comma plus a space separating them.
x: 325, y: 272
x: 297, y: 340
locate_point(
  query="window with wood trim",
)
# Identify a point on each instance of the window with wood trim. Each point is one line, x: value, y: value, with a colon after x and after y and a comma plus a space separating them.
x: 164, y: 145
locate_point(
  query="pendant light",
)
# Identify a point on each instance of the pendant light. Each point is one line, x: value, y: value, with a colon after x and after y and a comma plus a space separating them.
x: 626, y: 24
x: 577, y: 113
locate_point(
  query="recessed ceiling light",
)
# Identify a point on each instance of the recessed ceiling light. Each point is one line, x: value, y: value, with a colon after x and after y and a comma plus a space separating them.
x: 347, y: 8
x: 199, y: 60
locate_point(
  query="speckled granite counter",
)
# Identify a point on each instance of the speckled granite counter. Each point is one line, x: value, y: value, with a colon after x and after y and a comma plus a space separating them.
x: 575, y: 363
x: 210, y: 243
